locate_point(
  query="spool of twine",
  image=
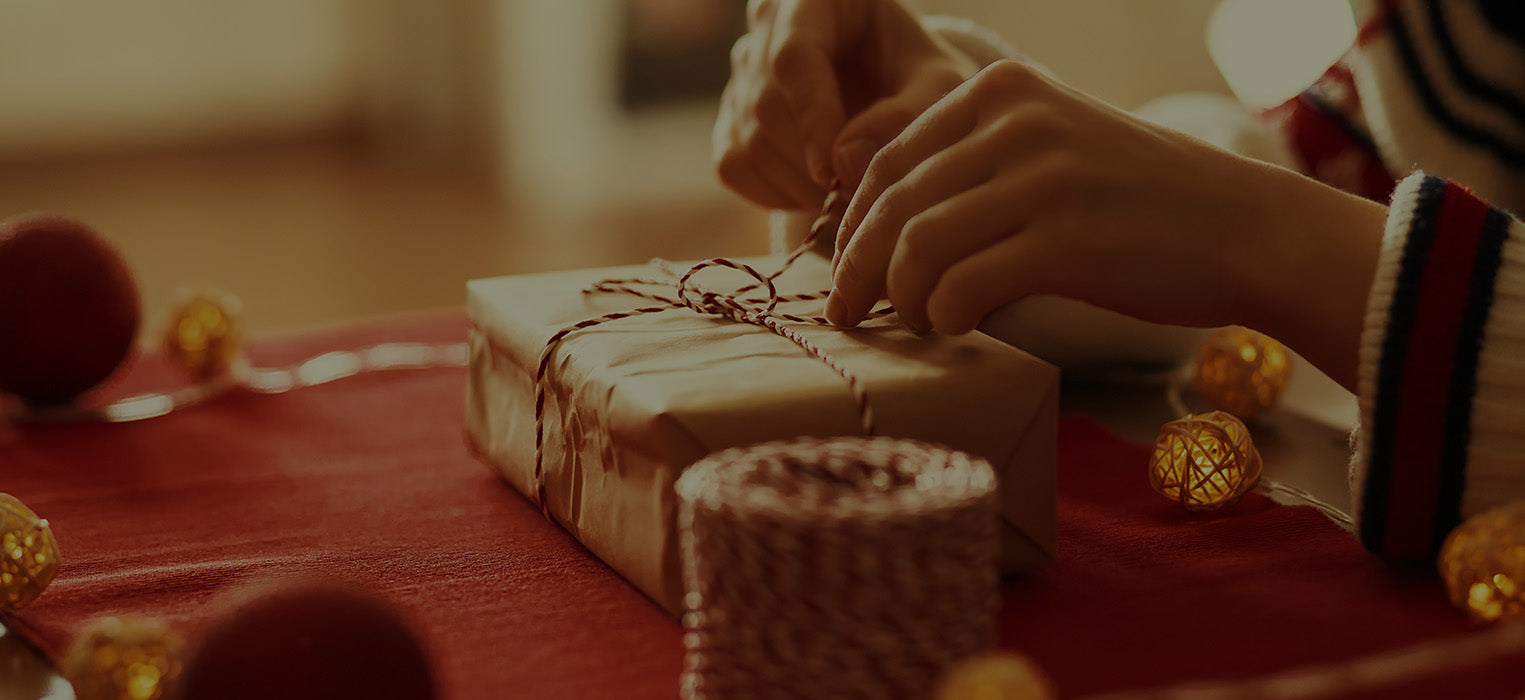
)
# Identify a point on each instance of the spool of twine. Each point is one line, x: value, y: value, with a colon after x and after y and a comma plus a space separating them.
x: 835, y: 568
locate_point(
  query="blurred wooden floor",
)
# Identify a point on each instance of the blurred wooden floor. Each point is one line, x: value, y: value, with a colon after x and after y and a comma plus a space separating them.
x: 323, y: 230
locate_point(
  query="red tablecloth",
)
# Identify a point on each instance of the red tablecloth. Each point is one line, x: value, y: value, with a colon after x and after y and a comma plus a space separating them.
x: 368, y: 478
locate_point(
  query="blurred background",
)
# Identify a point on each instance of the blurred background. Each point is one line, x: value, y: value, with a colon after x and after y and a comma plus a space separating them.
x: 330, y: 159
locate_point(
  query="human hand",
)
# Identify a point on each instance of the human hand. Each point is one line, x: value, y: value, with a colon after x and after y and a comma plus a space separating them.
x: 1014, y: 185
x: 817, y: 87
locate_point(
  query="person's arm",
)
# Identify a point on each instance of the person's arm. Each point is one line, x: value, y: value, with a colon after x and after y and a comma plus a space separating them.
x: 1015, y: 184
x: 1442, y: 376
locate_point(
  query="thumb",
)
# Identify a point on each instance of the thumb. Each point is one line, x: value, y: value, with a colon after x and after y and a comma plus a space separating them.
x: 803, y: 73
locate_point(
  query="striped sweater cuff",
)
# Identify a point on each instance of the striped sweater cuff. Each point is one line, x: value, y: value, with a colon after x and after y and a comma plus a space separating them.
x: 1442, y: 373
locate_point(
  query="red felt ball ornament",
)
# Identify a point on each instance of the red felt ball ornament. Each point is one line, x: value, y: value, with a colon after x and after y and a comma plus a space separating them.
x: 68, y: 308
x: 307, y: 640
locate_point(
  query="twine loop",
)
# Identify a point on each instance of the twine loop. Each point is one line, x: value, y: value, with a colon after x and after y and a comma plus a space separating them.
x: 730, y: 306
x: 734, y: 306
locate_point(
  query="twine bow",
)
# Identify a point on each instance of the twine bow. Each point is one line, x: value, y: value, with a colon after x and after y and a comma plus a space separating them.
x: 736, y: 306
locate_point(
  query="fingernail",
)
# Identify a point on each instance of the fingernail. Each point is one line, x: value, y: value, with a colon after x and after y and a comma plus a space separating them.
x: 836, y: 310
x: 853, y: 159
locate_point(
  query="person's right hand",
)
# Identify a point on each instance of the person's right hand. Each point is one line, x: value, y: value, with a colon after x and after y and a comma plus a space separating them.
x: 817, y: 88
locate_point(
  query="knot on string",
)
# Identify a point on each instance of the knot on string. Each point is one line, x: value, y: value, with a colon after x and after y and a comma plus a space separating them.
x: 731, y: 306
x: 736, y: 306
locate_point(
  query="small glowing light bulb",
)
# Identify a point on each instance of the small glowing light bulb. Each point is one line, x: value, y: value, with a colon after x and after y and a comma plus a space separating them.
x: 1204, y: 462
x: 995, y: 676
x: 1483, y: 562
x: 28, y: 554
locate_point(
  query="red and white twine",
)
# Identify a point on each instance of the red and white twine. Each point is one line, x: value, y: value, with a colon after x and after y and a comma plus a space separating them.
x: 734, y: 306
x: 835, y: 568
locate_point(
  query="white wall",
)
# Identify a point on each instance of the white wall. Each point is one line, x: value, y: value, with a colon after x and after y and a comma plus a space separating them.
x: 567, y: 146
x: 1125, y: 51
x: 77, y: 75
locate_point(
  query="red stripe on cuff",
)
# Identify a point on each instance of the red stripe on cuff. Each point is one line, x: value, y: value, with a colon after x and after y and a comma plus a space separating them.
x: 1419, y: 440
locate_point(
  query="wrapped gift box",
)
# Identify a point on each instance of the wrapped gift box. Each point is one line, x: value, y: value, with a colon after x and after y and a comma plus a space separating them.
x: 631, y: 403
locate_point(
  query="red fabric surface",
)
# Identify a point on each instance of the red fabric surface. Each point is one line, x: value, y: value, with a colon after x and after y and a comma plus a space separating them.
x: 368, y: 478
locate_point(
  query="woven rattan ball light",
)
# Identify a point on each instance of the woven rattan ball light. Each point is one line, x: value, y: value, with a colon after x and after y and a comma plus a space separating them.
x: 124, y: 659
x: 1483, y: 563
x: 30, y: 557
x: 1205, y: 461
x: 1001, y: 675
x: 1242, y: 371
x: 205, y: 332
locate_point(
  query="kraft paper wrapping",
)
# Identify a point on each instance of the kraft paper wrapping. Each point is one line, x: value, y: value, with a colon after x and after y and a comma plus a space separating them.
x: 631, y: 403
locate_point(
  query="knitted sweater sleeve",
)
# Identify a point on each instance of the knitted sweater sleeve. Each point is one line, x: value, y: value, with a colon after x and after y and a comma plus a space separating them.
x: 1442, y: 365
x: 1442, y: 373
x: 1442, y: 88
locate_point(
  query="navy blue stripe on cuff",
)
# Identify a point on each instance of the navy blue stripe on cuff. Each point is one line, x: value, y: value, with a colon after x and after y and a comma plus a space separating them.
x: 1400, y: 324
x: 1469, y: 346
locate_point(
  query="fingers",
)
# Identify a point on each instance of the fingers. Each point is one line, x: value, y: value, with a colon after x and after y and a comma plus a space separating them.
x: 934, y: 131
x: 802, y: 71
x: 778, y: 155
x: 740, y: 149
x: 863, y: 265
x: 861, y: 138
x: 977, y: 285
x: 934, y: 240
x: 756, y: 140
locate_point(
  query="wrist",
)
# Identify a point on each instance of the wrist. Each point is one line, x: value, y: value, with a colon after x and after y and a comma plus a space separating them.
x: 1307, y: 264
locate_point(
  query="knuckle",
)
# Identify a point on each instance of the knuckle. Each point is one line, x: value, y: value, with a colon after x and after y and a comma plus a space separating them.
x: 849, y: 277
x: 759, y: 11
x: 920, y: 238
x: 748, y: 136
x: 1006, y: 74
x: 772, y: 103
x: 884, y: 159
x: 1034, y: 118
x: 790, y: 60
x: 741, y: 51
x: 1060, y: 168
x: 1031, y: 129
x: 956, y: 306
x: 889, y: 208
x: 731, y: 166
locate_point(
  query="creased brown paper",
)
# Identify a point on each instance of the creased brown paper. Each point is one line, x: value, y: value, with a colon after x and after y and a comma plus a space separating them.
x: 631, y: 403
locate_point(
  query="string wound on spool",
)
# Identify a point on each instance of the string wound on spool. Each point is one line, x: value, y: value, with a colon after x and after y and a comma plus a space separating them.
x: 828, y: 568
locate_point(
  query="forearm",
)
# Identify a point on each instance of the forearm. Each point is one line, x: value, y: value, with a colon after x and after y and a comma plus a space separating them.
x: 1308, y: 261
